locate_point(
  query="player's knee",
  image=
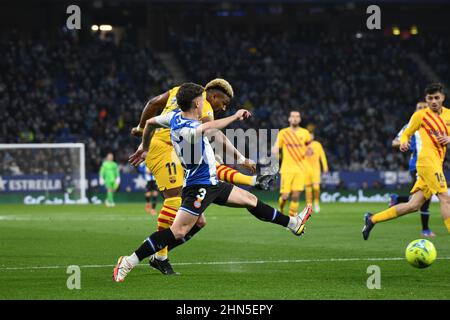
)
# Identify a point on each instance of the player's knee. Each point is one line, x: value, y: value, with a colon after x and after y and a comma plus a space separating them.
x: 414, y: 206
x: 295, y: 197
x: 201, y: 222
x: 444, y: 198
x: 285, y: 196
x: 179, y: 232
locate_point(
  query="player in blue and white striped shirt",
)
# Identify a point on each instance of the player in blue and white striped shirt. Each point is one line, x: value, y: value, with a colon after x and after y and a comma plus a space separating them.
x: 201, y: 186
x: 415, y: 144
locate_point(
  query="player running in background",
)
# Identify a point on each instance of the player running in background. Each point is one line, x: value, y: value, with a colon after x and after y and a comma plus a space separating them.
x: 165, y: 166
x: 395, y: 199
x: 110, y: 177
x: 433, y: 125
x: 313, y: 175
x: 293, y: 142
x: 201, y: 186
x: 151, y: 189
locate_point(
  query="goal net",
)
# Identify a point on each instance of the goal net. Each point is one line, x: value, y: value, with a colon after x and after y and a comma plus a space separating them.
x: 43, y: 173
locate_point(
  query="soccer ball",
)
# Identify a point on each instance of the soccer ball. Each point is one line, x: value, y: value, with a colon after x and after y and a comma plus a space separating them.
x: 421, y: 253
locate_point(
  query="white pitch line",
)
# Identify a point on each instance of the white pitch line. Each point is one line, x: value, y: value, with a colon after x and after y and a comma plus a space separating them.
x: 224, y: 263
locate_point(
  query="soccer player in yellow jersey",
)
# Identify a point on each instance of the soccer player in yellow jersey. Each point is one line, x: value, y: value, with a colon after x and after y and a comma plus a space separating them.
x: 165, y: 166
x: 312, y: 179
x: 293, y: 142
x: 433, y: 126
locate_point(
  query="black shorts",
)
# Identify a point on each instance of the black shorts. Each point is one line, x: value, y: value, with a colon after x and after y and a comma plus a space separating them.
x: 196, y: 198
x: 151, y: 186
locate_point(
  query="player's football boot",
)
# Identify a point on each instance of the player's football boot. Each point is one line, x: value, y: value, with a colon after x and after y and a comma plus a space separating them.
x: 428, y: 233
x: 368, y: 225
x: 163, y: 266
x: 302, y: 217
x: 121, y: 270
x: 394, y: 200
x: 263, y: 182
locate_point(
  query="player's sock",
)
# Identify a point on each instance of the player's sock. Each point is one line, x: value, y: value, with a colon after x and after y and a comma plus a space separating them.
x: 110, y: 197
x: 165, y: 219
x: 187, y: 237
x: 385, y: 215
x: 447, y: 224
x: 281, y: 203
x: 233, y: 176
x: 425, y: 218
x: 266, y: 213
x: 154, y: 243
x: 147, y: 199
x: 133, y: 259
x: 316, y: 196
x: 154, y: 202
x: 308, y: 195
x: 293, y: 208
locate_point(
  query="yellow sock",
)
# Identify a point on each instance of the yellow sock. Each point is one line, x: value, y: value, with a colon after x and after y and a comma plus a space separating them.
x: 316, y: 195
x: 293, y: 208
x: 233, y: 176
x: 166, y: 217
x: 447, y: 224
x: 281, y: 204
x: 308, y: 195
x: 385, y: 215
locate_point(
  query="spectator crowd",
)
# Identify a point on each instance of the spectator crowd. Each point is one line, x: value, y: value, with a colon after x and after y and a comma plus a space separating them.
x: 354, y: 93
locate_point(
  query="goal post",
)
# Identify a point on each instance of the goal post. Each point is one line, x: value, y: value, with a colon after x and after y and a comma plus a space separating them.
x: 44, y: 172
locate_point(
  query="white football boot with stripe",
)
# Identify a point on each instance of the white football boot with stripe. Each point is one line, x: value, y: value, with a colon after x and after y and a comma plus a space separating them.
x: 122, y: 268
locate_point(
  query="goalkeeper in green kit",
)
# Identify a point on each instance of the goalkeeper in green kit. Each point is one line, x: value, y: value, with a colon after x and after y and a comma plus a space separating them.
x: 110, y: 177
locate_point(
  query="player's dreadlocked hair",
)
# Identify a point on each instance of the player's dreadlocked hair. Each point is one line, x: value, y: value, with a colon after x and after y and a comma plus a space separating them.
x: 221, y: 85
x: 187, y: 93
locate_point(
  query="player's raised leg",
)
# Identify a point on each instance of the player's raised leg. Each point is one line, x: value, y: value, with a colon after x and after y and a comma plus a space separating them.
x: 414, y: 203
x: 242, y: 198
x: 233, y: 176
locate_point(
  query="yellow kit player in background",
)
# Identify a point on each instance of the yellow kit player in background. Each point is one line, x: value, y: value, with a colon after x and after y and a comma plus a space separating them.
x: 165, y: 166
x: 313, y: 174
x: 433, y: 125
x: 293, y: 142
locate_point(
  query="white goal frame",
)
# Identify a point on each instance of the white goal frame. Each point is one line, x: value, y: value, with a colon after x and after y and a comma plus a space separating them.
x: 79, y: 146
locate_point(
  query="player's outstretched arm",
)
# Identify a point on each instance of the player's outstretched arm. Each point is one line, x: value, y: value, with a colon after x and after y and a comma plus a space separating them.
x: 223, y: 123
x: 152, y: 108
x: 230, y: 149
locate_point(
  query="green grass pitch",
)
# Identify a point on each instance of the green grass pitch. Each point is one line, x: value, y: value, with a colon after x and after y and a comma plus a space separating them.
x: 235, y: 257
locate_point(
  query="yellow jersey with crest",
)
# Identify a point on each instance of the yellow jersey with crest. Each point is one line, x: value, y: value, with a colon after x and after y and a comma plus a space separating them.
x: 429, y: 125
x: 163, y: 134
x: 430, y: 153
x: 293, y: 145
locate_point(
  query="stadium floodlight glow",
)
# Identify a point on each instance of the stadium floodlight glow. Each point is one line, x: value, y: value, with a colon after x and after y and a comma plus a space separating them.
x: 105, y: 27
x: 414, y: 30
x: 94, y: 27
x: 396, y: 31
x: 358, y: 35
